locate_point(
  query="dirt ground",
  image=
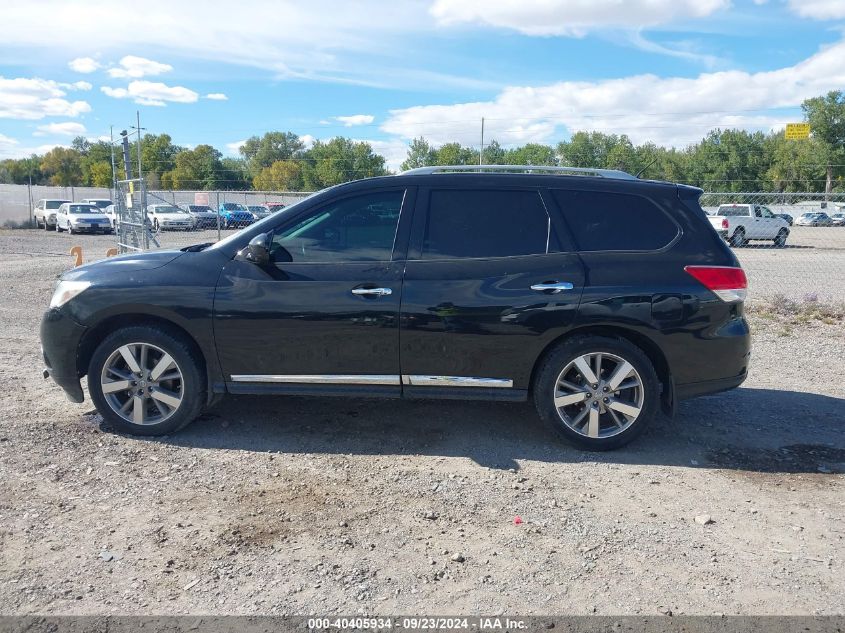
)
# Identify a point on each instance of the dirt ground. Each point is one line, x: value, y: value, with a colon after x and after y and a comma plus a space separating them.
x: 300, y: 505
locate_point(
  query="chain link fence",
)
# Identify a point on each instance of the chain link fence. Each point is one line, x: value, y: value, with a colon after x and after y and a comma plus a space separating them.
x: 808, y: 263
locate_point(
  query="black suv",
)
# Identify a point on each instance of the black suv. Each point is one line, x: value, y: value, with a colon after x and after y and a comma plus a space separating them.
x: 602, y: 297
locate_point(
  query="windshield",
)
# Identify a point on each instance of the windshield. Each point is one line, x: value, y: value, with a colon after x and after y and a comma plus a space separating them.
x: 233, y: 206
x: 168, y: 210
x: 55, y: 204
x: 258, y: 209
x: 196, y: 208
x: 83, y: 208
x: 102, y: 204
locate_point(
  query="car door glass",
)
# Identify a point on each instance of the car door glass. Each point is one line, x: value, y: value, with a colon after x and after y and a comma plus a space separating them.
x: 482, y: 224
x: 767, y: 213
x: 356, y: 229
x: 757, y: 212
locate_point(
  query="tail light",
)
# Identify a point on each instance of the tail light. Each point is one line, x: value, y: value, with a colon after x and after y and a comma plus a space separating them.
x: 725, y: 223
x: 726, y: 282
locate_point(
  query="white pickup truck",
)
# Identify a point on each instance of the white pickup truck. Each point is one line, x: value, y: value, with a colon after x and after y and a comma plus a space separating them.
x: 738, y: 223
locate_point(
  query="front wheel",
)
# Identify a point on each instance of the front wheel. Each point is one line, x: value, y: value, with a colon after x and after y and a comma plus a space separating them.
x: 70, y: 228
x: 780, y: 239
x: 597, y: 392
x: 146, y: 380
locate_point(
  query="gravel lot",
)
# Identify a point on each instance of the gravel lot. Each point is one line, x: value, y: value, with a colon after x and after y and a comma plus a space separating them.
x: 300, y: 505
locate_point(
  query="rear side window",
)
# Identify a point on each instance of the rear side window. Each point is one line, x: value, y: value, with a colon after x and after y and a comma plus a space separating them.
x: 603, y: 221
x: 478, y: 224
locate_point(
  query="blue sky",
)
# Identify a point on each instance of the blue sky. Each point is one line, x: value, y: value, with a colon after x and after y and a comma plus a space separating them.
x: 215, y: 72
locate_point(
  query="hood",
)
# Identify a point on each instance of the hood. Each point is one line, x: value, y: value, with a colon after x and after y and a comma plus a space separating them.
x: 173, y: 216
x: 131, y: 262
x: 87, y: 216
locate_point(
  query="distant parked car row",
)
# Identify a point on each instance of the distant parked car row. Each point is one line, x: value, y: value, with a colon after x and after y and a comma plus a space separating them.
x: 100, y: 215
x: 820, y: 218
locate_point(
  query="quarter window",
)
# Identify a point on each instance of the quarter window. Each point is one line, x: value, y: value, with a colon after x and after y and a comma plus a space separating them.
x: 481, y: 224
x: 603, y: 221
x: 356, y: 229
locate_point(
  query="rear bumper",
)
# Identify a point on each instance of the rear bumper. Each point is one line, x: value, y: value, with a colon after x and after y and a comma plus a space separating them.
x: 60, y: 338
x: 694, y: 389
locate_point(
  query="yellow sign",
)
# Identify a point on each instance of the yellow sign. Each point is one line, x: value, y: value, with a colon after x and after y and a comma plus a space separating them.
x: 797, y: 131
x: 131, y: 187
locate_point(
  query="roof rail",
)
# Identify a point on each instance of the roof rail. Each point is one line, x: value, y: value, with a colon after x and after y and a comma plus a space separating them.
x: 572, y: 171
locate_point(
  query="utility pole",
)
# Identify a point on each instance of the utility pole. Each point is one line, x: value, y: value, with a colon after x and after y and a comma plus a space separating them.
x: 113, y: 170
x: 139, y: 128
x: 127, y: 164
x: 481, y: 151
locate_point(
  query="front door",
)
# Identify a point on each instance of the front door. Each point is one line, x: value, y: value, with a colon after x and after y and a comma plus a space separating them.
x: 323, y: 316
x: 487, y: 286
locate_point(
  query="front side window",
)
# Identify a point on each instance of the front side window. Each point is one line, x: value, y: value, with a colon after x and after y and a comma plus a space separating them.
x: 357, y: 229
x: 482, y: 224
x: 54, y: 204
x: 602, y: 221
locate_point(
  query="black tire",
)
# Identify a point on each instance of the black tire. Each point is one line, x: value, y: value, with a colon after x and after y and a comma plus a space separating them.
x: 546, y: 381
x: 193, y: 390
x: 58, y: 228
x: 70, y: 228
x: 738, y: 238
x: 780, y: 239
x: 155, y: 225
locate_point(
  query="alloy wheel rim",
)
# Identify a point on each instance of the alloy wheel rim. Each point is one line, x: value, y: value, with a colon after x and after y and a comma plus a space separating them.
x: 599, y: 395
x: 142, y: 384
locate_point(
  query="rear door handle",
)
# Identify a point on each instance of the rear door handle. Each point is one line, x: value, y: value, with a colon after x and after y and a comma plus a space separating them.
x: 372, y: 292
x: 552, y: 287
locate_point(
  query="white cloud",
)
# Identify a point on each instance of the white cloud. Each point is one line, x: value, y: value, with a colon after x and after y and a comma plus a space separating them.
x: 216, y: 96
x: 84, y: 65
x: 8, y: 146
x: 573, y: 18
x: 324, y: 40
x: 233, y: 149
x: 307, y: 140
x: 819, y: 9
x: 34, y: 98
x: 394, y: 151
x: 66, y: 128
x: 77, y: 85
x: 152, y: 93
x: 355, y: 119
x: 132, y: 67
x: 672, y: 110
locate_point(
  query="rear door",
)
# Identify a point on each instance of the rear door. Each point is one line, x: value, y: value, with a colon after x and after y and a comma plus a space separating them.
x: 488, y: 283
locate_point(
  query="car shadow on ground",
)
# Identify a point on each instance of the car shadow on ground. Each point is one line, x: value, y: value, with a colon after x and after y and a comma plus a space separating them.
x: 759, y: 430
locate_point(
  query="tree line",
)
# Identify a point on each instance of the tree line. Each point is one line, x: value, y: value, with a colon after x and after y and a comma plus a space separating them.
x: 724, y: 160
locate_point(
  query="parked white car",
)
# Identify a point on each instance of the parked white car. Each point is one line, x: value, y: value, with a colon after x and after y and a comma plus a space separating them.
x: 76, y: 217
x: 739, y: 223
x: 166, y: 217
x: 103, y: 203
x: 203, y: 215
x: 44, y: 212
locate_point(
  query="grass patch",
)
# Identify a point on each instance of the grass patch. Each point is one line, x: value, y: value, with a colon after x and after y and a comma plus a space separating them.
x: 797, y: 311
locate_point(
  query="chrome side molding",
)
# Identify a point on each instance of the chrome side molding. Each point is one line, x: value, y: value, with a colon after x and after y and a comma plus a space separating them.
x: 411, y: 380
x: 415, y: 380
x: 320, y: 379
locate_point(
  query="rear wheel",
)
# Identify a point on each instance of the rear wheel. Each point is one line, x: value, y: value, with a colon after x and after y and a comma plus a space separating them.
x: 738, y: 238
x: 597, y: 392
x: 780, y: 239
x: 146, y: 380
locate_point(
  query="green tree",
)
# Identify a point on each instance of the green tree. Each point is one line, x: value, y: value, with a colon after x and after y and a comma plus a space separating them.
x: 531, y: 154
x: 340, y: 160
x: 420, y: 154
x: 261, y: 152
x: 99, y: 174
x: 63, y: 166
x: 826, y: 116
x: 493, y: 154
x: 455, y: 154
x: 198, y: 168
x: 283, y: 175
x: 158, y: 156
x: 729, y: 160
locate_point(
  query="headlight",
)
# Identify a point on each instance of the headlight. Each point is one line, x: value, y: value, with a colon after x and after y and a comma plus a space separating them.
x: 67, y: 290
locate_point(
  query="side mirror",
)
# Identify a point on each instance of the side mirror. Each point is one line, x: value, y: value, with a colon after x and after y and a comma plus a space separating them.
x: 258, y: 250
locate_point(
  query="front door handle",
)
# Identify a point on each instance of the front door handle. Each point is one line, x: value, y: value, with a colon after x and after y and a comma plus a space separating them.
x: 552, y: 287
x: 372, y: 292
